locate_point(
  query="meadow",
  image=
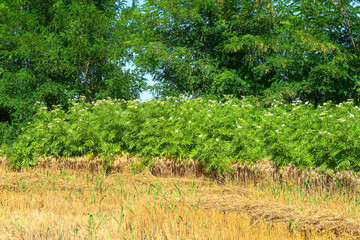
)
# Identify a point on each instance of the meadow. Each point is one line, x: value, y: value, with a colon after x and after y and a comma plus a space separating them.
x: 61, y: 200
x: 180, y: 168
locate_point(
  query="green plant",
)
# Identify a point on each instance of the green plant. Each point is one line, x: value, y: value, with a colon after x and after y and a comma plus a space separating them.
x: 216, y: 134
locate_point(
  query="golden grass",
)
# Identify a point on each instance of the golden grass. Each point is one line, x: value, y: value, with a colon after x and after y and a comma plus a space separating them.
x: 50, y: 203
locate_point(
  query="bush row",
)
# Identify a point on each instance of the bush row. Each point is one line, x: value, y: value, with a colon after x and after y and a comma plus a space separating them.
x: 217, y: 134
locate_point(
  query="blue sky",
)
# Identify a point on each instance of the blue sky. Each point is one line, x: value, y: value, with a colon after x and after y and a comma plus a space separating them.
x: 144, y: 95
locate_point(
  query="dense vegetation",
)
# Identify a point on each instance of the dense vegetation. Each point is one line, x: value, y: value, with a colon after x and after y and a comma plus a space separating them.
x: 55, y: 51
x: 308, y: 48
x: 213, y: 133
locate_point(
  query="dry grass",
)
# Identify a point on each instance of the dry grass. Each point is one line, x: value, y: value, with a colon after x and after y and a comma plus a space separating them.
x: 62, y: 200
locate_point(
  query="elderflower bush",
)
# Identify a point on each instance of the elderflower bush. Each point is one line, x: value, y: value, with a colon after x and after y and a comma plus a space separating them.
x: 216, y: 134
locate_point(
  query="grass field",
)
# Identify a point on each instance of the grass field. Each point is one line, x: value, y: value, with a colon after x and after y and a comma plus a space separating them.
x: 80, y: 202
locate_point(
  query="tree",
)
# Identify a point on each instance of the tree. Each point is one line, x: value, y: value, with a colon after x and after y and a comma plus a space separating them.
x: 321, y: 43
x: 53, y: 50
x: 310, y: 48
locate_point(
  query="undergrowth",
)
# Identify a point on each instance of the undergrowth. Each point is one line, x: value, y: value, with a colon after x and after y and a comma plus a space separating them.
x: 213, y: 133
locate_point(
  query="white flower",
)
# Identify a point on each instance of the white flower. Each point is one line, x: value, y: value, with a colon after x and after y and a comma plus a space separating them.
x: 176, y: 131
x: 258, y: 126
x: 277, y: 131
x: 306, y: 103
x: 352, y: 115
x: 29, y: 122
x: 238, y: 126
x: 283, y: 125
x: 216, y: 140
x: 342, y: 120
x: 328, y: 133
x: 189, y: 122
x: 200, y: 136
x: 170, y: 118
x: 135, y: 107
x: 209, y: 115
x: 257, y: 140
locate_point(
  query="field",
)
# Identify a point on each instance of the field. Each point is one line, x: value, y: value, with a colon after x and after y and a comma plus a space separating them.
x: 179, y: 168
x: 73, y: 199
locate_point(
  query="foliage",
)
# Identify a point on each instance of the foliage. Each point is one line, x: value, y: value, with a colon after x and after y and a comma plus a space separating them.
x: 213, y: 133
x: 55, y: 50
x: 250, y: 47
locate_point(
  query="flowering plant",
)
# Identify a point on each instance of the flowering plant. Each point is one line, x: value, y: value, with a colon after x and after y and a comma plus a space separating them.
x: 216, y: 134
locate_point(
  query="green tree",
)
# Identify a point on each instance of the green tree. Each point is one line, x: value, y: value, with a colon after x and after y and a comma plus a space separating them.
x: 53, y: 50
x: 320, y: 45
x: 309, y: 49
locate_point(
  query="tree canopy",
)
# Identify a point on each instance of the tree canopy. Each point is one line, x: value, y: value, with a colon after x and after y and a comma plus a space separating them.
x: 59, y: 49
x: 308, y: 49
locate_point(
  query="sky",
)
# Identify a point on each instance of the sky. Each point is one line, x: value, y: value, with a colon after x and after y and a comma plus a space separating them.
x: 144, y: 95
